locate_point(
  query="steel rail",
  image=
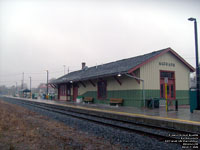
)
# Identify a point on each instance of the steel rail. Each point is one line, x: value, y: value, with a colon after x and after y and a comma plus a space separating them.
x: 107, y: 122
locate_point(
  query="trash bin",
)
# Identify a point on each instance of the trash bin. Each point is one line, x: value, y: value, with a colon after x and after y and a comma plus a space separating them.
x: 156, y: 103
x: 33, y: 96
x: 149, y: 103
x: 79, y: 99
x: 152, y: 103
x: 193, y: 99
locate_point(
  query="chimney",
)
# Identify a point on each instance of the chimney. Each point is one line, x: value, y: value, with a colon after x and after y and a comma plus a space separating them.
x: 83, y: 65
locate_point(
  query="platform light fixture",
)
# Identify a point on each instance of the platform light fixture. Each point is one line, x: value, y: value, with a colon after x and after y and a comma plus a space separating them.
x: 119, y: 75
x: 191, y: 19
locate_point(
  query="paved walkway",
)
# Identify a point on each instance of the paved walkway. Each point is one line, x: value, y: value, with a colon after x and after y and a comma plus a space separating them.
x: 183, y: 112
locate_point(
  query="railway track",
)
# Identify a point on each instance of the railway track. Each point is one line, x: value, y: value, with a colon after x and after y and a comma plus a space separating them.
x: 160, y: 133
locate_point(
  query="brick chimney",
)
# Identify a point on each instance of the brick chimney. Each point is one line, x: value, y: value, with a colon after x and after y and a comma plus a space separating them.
x: 83, y: 65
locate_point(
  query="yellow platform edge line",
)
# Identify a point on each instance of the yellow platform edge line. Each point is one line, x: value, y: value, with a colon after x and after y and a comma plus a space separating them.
x: 130, y: 114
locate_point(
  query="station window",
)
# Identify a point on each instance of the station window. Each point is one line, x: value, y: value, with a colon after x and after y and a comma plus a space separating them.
x: 169, y: 75
x: 63, y: 90
x: 102, y: 89
x: 172, y: 90
x: 167, y: 89
x: 162, y: 90
x: 68, y: 91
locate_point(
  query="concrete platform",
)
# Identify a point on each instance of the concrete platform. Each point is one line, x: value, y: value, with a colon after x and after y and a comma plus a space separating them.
x: 181, y: 119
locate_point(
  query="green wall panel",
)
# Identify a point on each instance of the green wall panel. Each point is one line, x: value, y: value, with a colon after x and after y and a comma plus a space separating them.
x: 133, y: 98
x: 183, y: 97
x: 152, y: 94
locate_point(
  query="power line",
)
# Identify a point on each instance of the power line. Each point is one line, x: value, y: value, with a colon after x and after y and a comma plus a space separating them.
x: 10, y: 81
x: 29, y: 73
x: 16, y: 74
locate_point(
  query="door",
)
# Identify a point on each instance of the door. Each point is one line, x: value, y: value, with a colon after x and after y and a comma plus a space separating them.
x: 170, y: 89
x: 75, y: 93
x: 68, y: 92
x: 170, y: 84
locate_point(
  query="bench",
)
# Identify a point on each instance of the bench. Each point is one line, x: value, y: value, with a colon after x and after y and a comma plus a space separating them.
x: 88, y: 99
x: 116, y: 101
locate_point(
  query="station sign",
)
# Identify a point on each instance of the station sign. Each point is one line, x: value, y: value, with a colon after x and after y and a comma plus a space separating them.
x: 167, y: 64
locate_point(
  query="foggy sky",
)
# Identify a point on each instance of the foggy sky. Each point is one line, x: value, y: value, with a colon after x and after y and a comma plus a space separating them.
x: 40, y: 35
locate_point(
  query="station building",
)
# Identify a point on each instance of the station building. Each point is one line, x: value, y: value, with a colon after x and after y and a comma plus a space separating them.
x: 134, y: 80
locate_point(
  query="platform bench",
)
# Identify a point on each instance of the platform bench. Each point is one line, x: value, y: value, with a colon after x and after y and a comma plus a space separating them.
x: 116, y: 101
x: 88, y: 99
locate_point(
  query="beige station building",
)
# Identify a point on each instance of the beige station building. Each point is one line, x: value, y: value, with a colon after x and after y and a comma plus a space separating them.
x: 134, y: 80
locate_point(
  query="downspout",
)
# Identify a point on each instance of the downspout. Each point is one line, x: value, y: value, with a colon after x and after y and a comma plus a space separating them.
x: 143, y: 91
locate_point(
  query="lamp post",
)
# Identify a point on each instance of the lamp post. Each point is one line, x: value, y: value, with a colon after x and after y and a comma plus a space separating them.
x: 64, y: 69
x: 47, y: 81
x: 197, y: 62
x: 30, y: 89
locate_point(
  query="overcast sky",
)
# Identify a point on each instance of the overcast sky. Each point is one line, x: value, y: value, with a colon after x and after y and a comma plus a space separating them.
x: 36, y: 35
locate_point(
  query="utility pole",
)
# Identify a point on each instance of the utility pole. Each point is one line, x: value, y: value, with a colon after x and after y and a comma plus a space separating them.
x: 16, y: 88
x: 30, y: 88
x: 47, y: 81
x: 22, y: 80
x: 197, y: 62
x: 64, y: 69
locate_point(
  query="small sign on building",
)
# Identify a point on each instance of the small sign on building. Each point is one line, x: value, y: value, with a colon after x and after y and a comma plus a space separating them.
x: 166, y: 80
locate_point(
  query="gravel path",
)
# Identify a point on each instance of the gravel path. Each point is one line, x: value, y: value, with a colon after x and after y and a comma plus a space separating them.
x: 129, y: 141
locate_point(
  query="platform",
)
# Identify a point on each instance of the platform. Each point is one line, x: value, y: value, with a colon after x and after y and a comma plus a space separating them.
x: 181, y: 119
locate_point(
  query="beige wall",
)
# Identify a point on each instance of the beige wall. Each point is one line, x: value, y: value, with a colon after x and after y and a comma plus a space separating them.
x: 150, y: 72
x: 89, y: 87
x: 127, y: 84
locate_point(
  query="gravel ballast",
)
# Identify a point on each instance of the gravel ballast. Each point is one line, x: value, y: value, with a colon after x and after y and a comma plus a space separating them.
x: 127, y: 140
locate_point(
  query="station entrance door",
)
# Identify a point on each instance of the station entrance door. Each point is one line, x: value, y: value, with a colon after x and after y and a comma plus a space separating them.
x: 170, y: 75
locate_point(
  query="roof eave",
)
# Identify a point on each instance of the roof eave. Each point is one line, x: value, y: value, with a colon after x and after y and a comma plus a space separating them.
x: 90, y: 78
